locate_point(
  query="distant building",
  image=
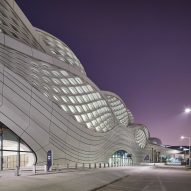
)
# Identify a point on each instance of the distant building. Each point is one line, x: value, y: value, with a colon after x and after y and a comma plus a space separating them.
x: 47, y: 103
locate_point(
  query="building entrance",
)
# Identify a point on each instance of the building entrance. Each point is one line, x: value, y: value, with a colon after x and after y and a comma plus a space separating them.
x: 121, y: 158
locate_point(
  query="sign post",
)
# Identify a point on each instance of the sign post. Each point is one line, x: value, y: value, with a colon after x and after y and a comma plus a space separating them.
x: 49, y: 160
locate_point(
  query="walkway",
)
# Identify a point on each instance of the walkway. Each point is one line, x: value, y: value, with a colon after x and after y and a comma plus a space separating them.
x: 140, y: 178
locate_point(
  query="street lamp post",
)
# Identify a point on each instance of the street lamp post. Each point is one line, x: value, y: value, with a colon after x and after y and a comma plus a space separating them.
x: 183, y: 137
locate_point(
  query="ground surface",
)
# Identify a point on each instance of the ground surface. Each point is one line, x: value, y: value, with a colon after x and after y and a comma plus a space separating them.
x: 141, y: 178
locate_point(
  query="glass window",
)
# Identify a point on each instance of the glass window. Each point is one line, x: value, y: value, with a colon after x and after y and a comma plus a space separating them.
x: 57, y: 90
x: 56, y: 73
x: 79, y: 108
x: 90, y: 115
x: 61, y: 58
x: 73, y: 90
x: 85, y: 97
x: 89, y: 125
x: 65, y: 90
x: 46, y: 94
x: 65, y: 81
x: 79, y: 99
x: 47, y: 73
x: 84, y: 117
x: 85, y: 89
x: 79, y: 89
x: 70, y: 60
x: 64, y: 98
x: 72, y: 99
x: 13, y: 150
x: 90, y: 105
x: 56, y: 98
x: 90, y: 88
x: 85, y: 107
x: 64, y: 73
x: 56, y: 81
x: 78, y: 118
x: 78, y: 80
x: 91, y: 97
x: 94, y: 122
x: 64, y: 107
x: 72, y: 81
x: 72, y: 109
x: 10, y: 141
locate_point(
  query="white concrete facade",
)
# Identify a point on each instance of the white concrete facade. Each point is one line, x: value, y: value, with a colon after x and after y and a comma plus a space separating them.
x: 49, y: 102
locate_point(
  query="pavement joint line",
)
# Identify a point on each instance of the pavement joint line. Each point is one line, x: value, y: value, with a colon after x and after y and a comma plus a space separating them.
x: 112, y: 182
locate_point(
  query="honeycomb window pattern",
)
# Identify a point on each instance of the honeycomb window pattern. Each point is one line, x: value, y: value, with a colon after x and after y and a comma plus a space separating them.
x: 119, y: 109
x: 11, y: 25
x: 146, y: 132
x: 60, y: 50
x: 71, y: 93
x: 130, y: 115
x: 141, y: 138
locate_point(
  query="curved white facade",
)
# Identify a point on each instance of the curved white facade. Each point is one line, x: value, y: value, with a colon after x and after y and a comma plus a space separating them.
x: 47, y: 100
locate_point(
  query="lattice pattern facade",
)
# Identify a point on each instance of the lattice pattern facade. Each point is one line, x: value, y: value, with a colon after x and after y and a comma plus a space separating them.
x: 47, y: 100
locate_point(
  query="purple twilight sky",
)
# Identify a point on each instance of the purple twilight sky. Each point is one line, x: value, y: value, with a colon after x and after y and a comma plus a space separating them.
x: 141, y: 50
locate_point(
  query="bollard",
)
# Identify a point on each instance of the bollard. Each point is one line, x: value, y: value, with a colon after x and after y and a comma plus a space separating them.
x: 108, y: 164
x: 17, y: 171
x: 104, y: 165
x: 89, y: 165
x: 45, y: 168
x: 34, y: 169
x: 99, y: 165
x: 95, y: 165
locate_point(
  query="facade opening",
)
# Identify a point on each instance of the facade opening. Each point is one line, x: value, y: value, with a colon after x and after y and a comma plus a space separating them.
x: 121, y: 158
x: 13, y: 151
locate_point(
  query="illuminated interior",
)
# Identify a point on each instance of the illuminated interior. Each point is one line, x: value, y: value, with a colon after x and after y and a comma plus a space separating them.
x: 13, y: 151
x: 121, y: 158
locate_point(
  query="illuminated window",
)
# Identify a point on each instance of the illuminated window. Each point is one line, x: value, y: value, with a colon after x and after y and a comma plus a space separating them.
x: 47, y: 73
x: 85, y: 97
x: 84, y: 117
x: 85, y: 89
x: 73, y: 90
x: 56, y: 98
x: 72, y: 99
x: 79, y: 99
x: 78, y: 80
x: 79, y: 109
x: 56, y: 81
x: 90, y: 115
x: 90, y: 88
x: 64, y: 73
x: 65, y: 81
x: 79, y: 89
x: 85, y: 107
x: 65, y: 90
x: 64, y: 108
x: 72, y: 81
x: 72, y: 109
x: 89, y: 125
x: 64, y: 99
x: 56, y: 89
x: 78, y: 118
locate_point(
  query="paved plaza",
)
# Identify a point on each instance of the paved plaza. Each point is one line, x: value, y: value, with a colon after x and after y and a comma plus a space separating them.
x: 133, y: 178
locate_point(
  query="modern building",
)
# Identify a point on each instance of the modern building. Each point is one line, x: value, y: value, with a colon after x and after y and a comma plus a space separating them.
x: 47, y: 103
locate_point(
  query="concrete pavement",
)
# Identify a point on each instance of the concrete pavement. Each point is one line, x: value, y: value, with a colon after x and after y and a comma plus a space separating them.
x: 132, y: 178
